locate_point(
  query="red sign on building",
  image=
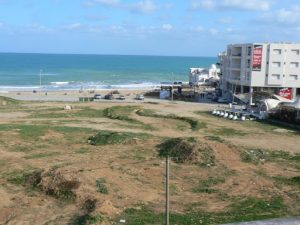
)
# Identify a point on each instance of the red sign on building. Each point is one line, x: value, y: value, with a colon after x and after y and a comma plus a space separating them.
x: 286, y: 93
x: 257, y: 57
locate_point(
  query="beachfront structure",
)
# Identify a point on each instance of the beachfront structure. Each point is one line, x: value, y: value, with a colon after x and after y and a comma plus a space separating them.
x: 201, y: 76
x: 261, y: 67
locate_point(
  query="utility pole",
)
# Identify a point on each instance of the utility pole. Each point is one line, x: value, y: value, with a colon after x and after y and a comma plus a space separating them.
x: 167, y: 190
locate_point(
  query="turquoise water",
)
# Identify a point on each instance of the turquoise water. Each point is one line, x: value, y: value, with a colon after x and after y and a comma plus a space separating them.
x: 61, y: 71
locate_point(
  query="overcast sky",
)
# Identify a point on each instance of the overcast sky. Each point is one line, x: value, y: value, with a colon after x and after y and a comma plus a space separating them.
x: 144, y: 27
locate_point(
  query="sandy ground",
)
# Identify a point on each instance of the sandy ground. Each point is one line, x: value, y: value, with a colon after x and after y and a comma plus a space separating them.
x: 66, y: 96
x: 134, y: 173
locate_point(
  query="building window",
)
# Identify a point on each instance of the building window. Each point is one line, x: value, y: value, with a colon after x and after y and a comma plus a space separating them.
x: 248, y: 76
x: 248, y: 63
x: 296, y: 51
x: 276, y: 64
x: 294, y: 64
x: 249, y: 50
x: 293, y: 77
x: 277, y: 51
x: 275, y: 77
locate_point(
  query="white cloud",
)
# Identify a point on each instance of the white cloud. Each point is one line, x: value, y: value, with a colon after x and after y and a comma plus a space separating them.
x: 213, y: 31
x: 283, y: 16
x: 72, y: 26
x: 225, y: 20
x: 167, y: 27
x: 259, y: 5
x: 112, y: 3
x: 142, y: 6
x: 145, y: 6
x: 198, y: 29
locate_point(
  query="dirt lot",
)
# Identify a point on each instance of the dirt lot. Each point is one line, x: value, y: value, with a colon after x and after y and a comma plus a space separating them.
x: 54, y: 170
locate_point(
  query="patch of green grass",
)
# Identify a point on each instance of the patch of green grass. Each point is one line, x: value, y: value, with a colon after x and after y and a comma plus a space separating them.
x: 101, y: 186
x: 215, y: 138
x: 23, y: 177
x: 112, y: 137
x: 122, y: 113
x: 42, y: 155
x: 248, y: 209
x: 139, y: 154
x: 86, y: 219
x: 64, y: 195
x: 229, y: 132
x: 35, y: 131
x: 288, y: 181
x: 61, y: 113
x: 204, y: 113
x: 194, y: 123
x: 26, y: 131
x: 262, y: 155
x: 8, y: 101
x: 205, y: 186
x: 23, y: 148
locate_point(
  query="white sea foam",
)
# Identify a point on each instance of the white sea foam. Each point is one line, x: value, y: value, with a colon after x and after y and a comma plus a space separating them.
x: 71, y: 85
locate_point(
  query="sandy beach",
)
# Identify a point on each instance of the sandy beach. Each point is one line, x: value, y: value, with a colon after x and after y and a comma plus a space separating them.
x: 68, y: 95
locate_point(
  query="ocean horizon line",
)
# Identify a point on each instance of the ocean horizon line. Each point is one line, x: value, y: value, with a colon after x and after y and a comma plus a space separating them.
x: 104, y: 54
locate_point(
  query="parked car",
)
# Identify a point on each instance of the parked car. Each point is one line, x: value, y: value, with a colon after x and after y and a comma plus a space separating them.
x: 222, y: 100
x: 109, y: 97
x: 140, y: 97
x: 97, y: 96
x: 121, y: 97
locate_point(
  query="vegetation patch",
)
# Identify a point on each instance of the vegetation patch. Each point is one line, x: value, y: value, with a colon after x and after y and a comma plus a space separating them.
x: 61, y: 113
x: 261, y: 155
x: 113, y: 137
x: 187, y: 150
x: 52, y: 183
x: 101, y: 186
x: 194, y: 123
x: 206, y: 186
x: 26, y: 177
x: 249, y: 209
x: 225, y: 131
x: 26, y: 131
x: 86, y: 219
x: 215, y: 138
x: 288, y: 181
x: 58, y: 185
x: 42, y: 155
x: 122, y: 113
x: 6, y: 101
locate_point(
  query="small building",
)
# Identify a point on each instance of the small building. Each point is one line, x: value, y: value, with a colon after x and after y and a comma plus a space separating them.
x: 260, y: 67
x: 201, y: 76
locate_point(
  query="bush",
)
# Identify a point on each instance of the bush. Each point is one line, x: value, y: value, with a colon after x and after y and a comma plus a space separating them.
x: 187, y: 150
x: 112, y: 137
x: 101, y: 186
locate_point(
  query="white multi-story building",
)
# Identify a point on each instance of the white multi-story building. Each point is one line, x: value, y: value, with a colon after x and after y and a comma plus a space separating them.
x: 255, y: 67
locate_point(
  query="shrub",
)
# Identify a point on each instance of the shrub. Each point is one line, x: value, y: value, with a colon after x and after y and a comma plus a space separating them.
x: 112, y: 137
x: 187, y: 150
x: 101, y: 186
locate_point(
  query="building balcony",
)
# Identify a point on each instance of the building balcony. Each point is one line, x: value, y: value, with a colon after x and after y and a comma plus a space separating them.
x: 235, y: 68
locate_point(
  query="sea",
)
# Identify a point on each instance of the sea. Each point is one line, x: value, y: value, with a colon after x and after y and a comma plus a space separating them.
x: 28, y: 71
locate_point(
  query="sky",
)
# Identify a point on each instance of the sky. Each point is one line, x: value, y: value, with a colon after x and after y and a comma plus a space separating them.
x: 144, y: 27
